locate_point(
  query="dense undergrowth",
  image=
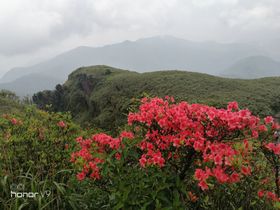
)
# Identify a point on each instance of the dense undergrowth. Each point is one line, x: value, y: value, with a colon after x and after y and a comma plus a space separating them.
x: 167, y: 156
x: 120, y: 151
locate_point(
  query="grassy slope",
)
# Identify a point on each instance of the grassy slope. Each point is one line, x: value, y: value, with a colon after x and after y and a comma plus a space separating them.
x: 107, y: 91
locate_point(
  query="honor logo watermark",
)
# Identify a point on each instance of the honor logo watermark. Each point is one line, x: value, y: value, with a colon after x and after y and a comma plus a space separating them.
x: 17, y: 191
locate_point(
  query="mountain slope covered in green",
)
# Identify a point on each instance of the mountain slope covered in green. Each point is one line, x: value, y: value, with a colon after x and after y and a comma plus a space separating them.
x: 102, y: 95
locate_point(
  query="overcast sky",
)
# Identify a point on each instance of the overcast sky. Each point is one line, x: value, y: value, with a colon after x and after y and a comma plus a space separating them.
x: 35, y: 30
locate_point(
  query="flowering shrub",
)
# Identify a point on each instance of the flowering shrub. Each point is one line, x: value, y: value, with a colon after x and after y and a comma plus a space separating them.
x: 271, y: 149
x: 35, y: 141
x: 188, y: 143
x: 34, y: 151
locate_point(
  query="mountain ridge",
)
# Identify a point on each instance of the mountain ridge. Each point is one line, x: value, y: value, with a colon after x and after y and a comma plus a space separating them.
x: 143, y: 55
x: 253, y: 67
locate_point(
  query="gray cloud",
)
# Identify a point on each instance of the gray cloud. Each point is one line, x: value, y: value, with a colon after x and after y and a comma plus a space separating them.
x: 29, y: 27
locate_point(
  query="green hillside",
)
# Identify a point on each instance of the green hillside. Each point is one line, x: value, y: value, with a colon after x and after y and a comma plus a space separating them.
x: 101, y: 94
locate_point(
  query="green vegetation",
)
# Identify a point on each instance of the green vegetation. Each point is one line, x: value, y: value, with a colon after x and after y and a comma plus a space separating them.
x: 9, y: 102
x: 36, y: 151
x: 36, y: 145
x: 35, y: 157
x: 101, y: 95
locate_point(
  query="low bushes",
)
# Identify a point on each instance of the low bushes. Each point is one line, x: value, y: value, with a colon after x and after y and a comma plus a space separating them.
x: 185, y: 156
x: 35, y: 151
x: 169, y: 156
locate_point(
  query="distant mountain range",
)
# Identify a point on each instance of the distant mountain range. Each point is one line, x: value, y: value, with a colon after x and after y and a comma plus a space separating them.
x: 149, y: 54
x: 253, y: 67
x: 31, y: 83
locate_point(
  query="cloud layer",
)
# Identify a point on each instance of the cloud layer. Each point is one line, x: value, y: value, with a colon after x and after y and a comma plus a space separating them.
x: 29, y: 27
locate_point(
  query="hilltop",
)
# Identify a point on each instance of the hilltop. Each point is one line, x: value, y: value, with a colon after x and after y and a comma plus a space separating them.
x: 101, y: 94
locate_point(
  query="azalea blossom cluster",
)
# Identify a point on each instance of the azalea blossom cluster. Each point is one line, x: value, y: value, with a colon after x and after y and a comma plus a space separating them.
x: 92, y: 152
x: 273, y: 147
x: 273, y: 155
x: 217, y: 138
x: 13, y: 120
x: 268, y: 195
x: 61, y: 124
x: 209, y: 131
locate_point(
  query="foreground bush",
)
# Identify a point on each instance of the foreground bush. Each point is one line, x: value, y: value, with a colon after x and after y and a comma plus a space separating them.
x: 35, y: 149
x: 185, y: 156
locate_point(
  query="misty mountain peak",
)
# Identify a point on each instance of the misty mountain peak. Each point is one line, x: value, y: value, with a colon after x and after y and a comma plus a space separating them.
x: 143, y: 55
